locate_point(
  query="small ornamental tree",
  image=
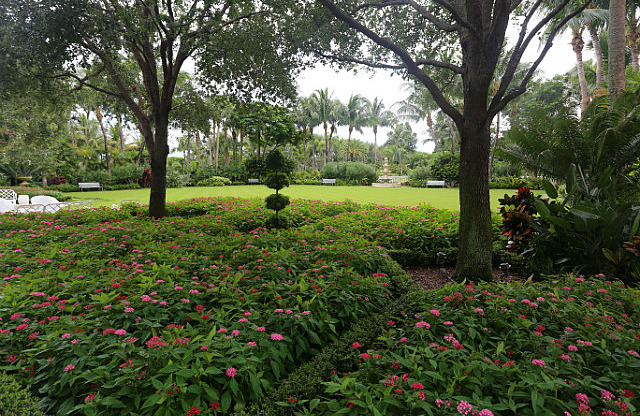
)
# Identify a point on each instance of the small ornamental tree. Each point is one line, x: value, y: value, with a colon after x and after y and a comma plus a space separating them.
x: 278, y: 171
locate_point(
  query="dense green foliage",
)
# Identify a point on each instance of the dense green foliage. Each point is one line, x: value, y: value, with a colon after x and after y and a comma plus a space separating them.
x: 352, y: 173
x: 447, y: 167
x: 15, y: 399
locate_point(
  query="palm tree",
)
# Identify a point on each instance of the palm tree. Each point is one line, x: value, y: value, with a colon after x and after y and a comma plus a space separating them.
x: 617, y: 13
x: 354, y: 115
x: 401, y: 137
x: 378, y: 116
x: 305, y: 118
x: 323, y: 106
x: 418, y: 106
x: 588, y: 18
x: 632, y: 33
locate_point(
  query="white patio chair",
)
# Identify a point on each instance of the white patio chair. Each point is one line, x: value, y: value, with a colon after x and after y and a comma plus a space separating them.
x: 8, y: 194
x: 6, y: 206
x: 23, y: 199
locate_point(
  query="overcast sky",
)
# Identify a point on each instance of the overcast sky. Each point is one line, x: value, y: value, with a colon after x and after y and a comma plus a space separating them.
x: 391, y: 88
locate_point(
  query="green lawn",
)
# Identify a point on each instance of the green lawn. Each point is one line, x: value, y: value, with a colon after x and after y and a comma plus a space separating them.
x: 405, y: 196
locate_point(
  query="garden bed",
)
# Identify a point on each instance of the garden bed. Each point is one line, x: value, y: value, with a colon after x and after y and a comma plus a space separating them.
x: 110, y: 312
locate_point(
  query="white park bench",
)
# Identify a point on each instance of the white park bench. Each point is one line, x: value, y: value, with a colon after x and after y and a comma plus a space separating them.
x: 253, y: 181
x: 89, y: 185
x: 328, y: 181
x: 436, y: 183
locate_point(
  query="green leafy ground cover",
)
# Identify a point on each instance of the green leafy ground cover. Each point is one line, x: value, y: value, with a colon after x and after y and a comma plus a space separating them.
x: 442, y: 198
x: 109, y: 312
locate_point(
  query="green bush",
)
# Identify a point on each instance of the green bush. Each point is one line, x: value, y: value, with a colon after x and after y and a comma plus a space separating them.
x: 214, y: 181
x: 306, y: 178
x: 64, y: 187
x: 126, y: 174
x: 15, y: 399
x: 447, y: 167
x: 513, y: 182
x: 101, y: 176
x: 419, y: 173
x: 585, y: 230
x: 352, y: 173
x: 175, y: 177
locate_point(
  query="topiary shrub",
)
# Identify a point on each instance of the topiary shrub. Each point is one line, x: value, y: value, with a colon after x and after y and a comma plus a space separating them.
x: 15, y: 399
x: 277, y: 177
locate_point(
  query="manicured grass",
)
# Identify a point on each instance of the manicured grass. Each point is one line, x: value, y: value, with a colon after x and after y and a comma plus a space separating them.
x: 405, y: 196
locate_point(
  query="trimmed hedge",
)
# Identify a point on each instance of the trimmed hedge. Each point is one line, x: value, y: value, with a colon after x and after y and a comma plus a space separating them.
x: 15, y: 399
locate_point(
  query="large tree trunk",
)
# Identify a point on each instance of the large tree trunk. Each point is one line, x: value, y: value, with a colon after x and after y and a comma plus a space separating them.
x: 198, y: 147
x: 158, y: 151
x: 474, y: 235
x: 234, y: 137
x: 617, y: 9
x: 241, y: 144
x: 578, y: 44
x: 597, y: 48
x: 210, y: 147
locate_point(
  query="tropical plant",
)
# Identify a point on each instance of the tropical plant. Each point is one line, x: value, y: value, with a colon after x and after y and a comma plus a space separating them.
x: 584, y: 230
x: 378, y: 117
x: 354, y: 114
x: 607, y: 136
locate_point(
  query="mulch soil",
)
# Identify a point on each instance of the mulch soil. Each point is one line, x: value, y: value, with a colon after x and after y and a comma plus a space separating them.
x: 433, y: 278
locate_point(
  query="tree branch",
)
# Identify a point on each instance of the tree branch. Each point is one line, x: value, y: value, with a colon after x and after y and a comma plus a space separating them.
x: 82, y: 81
x: 458, y: 17
x: 440, y: 24
x: 344, y: 58
x: 500, y: 100
x: 411, y: 66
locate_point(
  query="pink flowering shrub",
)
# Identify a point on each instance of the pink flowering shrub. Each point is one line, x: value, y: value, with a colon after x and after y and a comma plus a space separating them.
x: 490, y: 352
x: 129, y: 311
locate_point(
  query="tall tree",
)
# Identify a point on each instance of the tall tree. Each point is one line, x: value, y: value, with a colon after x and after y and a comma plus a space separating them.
x: 354, y: 115
x: 238, y: 42
x: 378, y: 117
x: 323, y: 105
x: 413, y: 36
x: 617, y: 16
